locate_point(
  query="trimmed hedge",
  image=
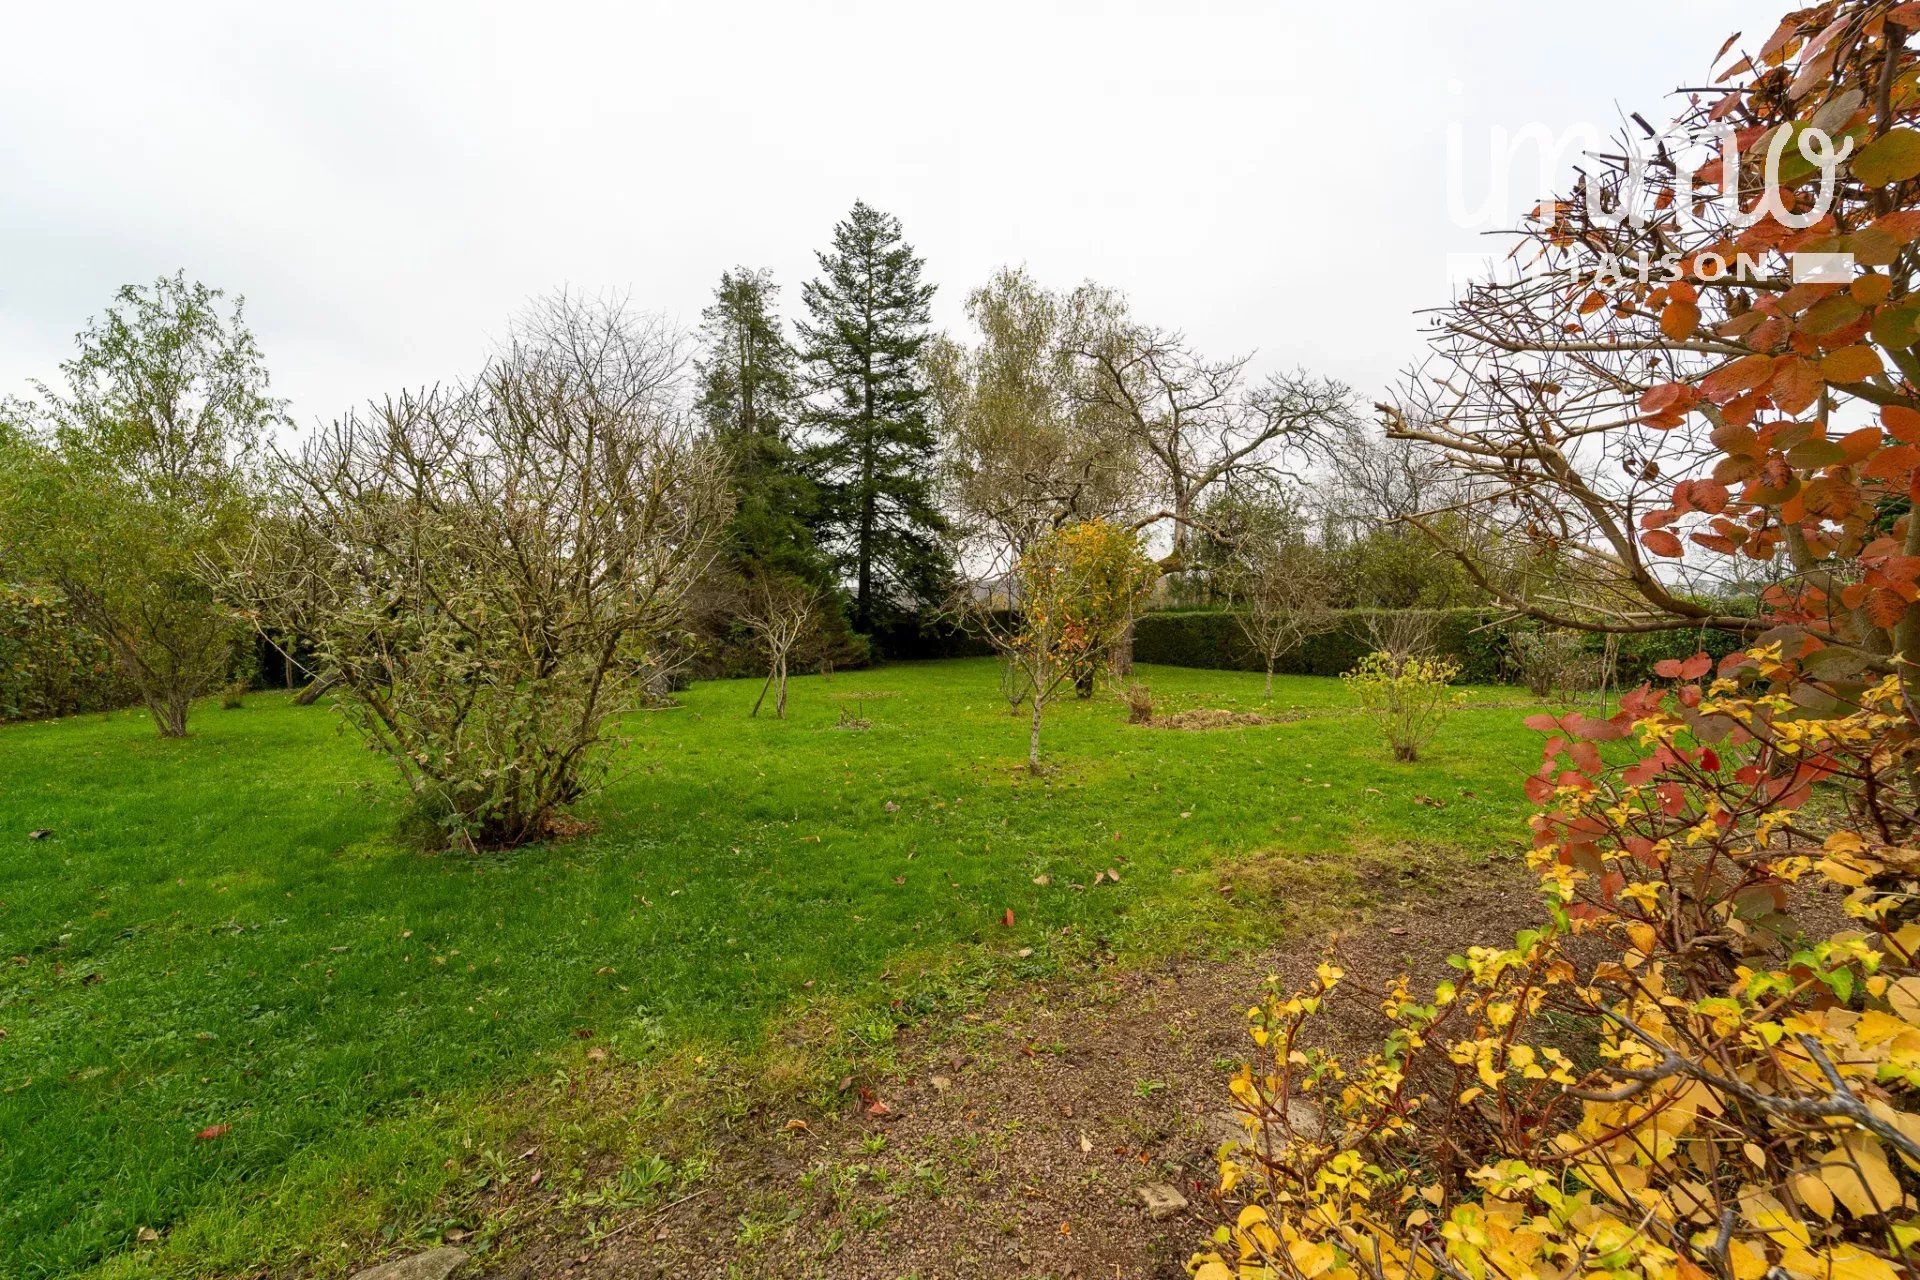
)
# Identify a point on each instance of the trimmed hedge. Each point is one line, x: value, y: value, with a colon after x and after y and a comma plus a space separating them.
x: 1473, y: 638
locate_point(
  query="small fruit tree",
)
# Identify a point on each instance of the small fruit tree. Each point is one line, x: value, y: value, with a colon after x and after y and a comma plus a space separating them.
x: 1688, y: 1068
x: 1077, y: 588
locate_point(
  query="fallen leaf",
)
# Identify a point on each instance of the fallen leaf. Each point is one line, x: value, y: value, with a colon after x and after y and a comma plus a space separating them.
x: 211, y: 1132
x: 1006, y: 918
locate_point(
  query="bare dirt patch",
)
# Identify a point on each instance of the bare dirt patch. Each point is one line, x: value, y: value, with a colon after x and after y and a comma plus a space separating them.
x: 1017, y: 1141
x: 1201, y: 718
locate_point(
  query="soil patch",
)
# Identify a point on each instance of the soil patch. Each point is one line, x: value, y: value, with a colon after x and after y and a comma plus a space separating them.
x: 1018, y: 1142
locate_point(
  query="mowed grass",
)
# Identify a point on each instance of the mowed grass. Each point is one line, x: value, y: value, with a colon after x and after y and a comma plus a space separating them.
x: 225, y: 932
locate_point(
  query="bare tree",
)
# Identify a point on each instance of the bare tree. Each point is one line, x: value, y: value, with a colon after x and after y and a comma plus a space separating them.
x: 780, y: 612
x: 486, y: 568
x: 1196, y: 420
x: 1286, y: 589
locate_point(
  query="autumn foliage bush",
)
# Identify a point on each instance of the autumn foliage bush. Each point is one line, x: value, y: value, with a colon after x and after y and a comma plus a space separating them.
x: 1704, y: 1060
x: 1407, y: 696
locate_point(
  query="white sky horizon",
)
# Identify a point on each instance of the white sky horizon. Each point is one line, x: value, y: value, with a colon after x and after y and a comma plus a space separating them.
x: 388, y: 187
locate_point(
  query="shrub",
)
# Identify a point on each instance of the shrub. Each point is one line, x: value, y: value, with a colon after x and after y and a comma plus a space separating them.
x: 1406, y: 695
x: 1554, y: 660
x: 490, y: 570
x: 1667, y: 1077
x: 49, y: 664
x: 1139, y: 703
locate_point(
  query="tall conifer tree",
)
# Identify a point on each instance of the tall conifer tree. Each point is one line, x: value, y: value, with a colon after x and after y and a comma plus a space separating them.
x: 748, y: 397
x: 872, y: 446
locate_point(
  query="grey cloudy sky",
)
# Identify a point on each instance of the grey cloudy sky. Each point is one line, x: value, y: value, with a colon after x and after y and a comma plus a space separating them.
x: 388, y: 182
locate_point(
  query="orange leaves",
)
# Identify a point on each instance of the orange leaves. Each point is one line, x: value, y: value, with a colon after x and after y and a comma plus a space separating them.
x: 1895, y: 464
x: 1666, y: 404
x: 1885, y: 608
x: 1748, y: 373
x: 1700, y: 495
x: 1684, y: 668
x: 1850, y: 364
x: 1662, y: 543
x: 1796, y: 385
x: 1680, y: 319
x: 1832, y: 497
x: 1901, y: 423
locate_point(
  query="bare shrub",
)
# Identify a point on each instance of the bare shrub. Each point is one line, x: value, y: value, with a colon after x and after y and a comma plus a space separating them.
x: 1400, y: 635
x: 780, y: 613
x: 1551, y: 661
x: 490, y: 570
x: 1285, y: 589
x: 1139, y: 703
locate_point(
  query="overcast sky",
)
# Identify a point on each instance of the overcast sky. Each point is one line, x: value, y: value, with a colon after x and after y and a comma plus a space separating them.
x: 386, y: 183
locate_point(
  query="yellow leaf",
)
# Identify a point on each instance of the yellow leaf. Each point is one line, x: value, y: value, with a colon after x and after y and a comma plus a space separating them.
x: 1813, y: 1193
x: 1859, y: 1177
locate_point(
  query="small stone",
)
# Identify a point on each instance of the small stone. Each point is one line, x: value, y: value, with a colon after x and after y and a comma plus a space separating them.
x: 940, y: 1083
x: 1223, y: 1127
x: 434, y: 1264
x: 1161, y: 1200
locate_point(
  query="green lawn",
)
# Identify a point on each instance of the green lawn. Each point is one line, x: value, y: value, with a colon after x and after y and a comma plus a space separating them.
x: 223, y: 932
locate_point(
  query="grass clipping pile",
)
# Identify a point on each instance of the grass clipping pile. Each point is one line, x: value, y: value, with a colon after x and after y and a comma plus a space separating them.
x: 1671, y: 1076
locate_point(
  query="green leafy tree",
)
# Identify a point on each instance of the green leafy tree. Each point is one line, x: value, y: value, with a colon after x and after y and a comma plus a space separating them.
x: 873, y: 446
x: 125, y: 489
x: 1077, y: 588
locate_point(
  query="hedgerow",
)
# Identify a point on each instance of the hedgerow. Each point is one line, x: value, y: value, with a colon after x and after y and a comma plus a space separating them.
x: 49, y: 664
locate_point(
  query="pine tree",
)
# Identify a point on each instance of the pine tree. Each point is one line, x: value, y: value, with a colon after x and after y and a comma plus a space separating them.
x: 748, y: 395
x: 872, y: 445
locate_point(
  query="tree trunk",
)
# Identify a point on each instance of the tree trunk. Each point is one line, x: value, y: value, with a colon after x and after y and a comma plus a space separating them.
x: 1033, y: 736
x: 315, y: 690
x: 1120, y: 657
x: 1269, y: 679
x: 169, y: 711
x: 780, y: 693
